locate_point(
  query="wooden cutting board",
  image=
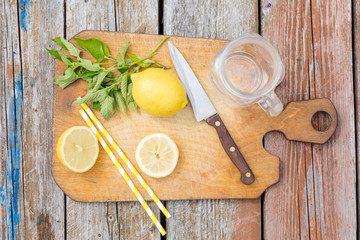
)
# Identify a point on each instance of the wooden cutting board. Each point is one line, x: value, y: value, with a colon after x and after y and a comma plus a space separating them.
x: 204, y: 171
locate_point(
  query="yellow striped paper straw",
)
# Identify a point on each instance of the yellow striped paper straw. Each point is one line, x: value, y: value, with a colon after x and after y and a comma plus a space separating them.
x: 125, y: 159
x: 122, y: 172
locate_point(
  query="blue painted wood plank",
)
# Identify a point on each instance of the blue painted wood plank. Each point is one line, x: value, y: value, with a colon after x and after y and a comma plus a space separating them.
x: 13, y: 161
x: 24, y: 13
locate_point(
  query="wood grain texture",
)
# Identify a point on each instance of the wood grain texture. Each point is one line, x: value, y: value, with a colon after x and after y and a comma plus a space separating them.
x: 139, y: 16
x: 316, y: 180
x: 210, y: 19
x: 135, y: 223
x: 239, y: 218
x: 356, y: 39
x: 214, y: 219
x: 43, y: 200
x: 11, y: 181
x: 288, y: 205
x: 88, y: 220
x: 92, y: 221
x: 335, y: 162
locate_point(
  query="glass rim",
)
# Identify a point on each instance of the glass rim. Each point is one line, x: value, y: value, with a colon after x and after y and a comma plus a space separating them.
x: 270, y: 87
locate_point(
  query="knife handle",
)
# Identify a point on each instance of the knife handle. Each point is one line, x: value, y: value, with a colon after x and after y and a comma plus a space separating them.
x: 247, y: 177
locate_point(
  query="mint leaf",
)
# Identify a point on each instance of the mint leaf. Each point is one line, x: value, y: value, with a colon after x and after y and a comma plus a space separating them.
x: 133, y: 57
x: 110, y: 74
x: 66, y: 79
x: 107, y: 107
x: 87, y: 64
x: 87, y: 79
x: 117, y: 80
x: 59, y: 55
x: 95, y: 47
x: 100, y: 78
x: 122, y: 51
x: 157, y: 65
x: 92, y: 95
x: 93, y: 82
x: 71, y: 48
x: 105, y: 49
x: 88, y: 73
x: 55, y: 53
x: 129, y: 91
x: 68, y: 61
x: 123, y: 84
x: 135, y: 70
x: 128, y: 62
x: 129, y: 99
x: 131, y: 103
x: 96, y: 106
x: 122, y: 66
x: 120, y: 101
x: 59, y: 42
x: 108, y: 80
x: 142, y: 62
x: 133, y: 106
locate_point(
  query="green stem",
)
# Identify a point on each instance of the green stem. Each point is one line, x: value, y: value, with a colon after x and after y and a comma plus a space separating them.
x: 107, y: 63
x: 153, y: 52
x: 110, y: 58
x: 112, y: 69
x: 142, y: 59
x: 160, y: 43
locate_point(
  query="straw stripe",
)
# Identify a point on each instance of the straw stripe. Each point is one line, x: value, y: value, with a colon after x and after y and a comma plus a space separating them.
x: 123, y: 173
x: 126, y: 160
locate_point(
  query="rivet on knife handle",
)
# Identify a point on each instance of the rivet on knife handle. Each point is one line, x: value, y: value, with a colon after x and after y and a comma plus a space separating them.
x: 247, y: 177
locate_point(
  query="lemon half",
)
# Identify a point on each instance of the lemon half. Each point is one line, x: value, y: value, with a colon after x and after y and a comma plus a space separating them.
x: 157, y: 155
x: 78, y: 149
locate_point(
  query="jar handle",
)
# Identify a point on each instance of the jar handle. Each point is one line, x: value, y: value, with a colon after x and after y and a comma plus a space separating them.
x: 271, y: 104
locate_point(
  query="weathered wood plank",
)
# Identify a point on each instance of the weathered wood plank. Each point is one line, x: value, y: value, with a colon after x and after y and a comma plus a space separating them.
x: 140, y: 16
x: 356, y: 39
x: 315, y: 197
x: 135, y: 223
x: 210, y: 19
x: 89, y: 15
x: 11, y: 182
x: 43, y: 200
x: 335, y: 162
x: 215, y: 219
x: 287, y: 202
x: 90, y: 220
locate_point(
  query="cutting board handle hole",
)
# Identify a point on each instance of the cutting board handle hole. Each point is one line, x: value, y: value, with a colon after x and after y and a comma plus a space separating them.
x: 321, y: 121
x: 270, y: 145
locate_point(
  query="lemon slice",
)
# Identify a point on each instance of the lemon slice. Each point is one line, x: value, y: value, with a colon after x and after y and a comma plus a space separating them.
x: 78, y: 149
x: 157, y: 155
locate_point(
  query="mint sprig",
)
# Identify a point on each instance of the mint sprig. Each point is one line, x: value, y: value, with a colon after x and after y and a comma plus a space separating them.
x: 106, y: 88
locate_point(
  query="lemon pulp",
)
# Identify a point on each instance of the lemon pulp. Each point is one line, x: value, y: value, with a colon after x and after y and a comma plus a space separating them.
x: 157, y: 155
x: 78, y: 149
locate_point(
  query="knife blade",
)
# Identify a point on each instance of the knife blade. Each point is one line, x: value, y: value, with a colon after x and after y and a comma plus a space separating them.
x: 205, y: 110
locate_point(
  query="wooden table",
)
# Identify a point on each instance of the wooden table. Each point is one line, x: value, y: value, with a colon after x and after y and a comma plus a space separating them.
x: 317, y: 193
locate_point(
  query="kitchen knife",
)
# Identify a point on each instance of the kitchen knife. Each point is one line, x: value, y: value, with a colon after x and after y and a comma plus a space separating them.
x: 204, y: 110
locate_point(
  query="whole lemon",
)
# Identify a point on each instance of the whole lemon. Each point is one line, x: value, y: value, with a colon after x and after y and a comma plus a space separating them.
x: 158, y: 92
